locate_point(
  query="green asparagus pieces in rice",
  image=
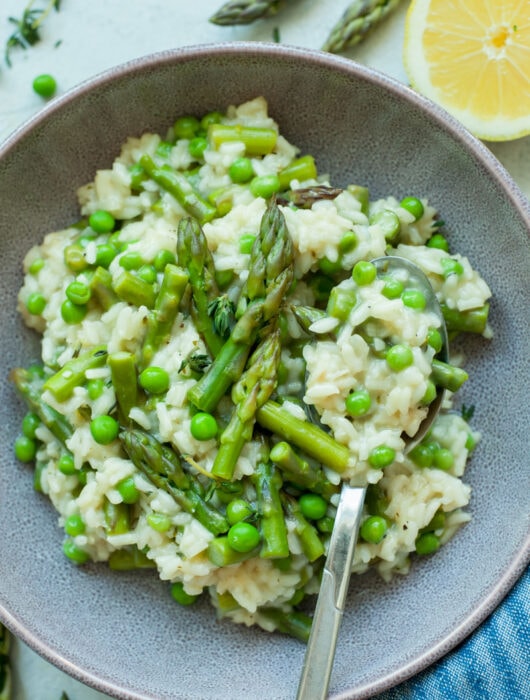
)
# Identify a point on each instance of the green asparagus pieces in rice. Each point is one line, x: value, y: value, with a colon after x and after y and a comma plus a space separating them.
x: 218, y: 354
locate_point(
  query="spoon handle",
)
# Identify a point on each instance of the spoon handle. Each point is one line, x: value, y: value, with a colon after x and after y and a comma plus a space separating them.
x: 318, y: 661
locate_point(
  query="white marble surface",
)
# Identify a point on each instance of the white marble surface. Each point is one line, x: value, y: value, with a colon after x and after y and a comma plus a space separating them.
x: 96, y: 35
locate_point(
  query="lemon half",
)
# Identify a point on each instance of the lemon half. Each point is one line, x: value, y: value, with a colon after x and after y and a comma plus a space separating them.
x: 472, y: 57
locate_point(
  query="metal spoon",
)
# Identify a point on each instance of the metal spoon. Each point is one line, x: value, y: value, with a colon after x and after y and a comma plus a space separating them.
x: 320, y: 652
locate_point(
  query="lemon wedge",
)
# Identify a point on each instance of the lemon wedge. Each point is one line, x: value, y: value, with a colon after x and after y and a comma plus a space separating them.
x: 472, y: 57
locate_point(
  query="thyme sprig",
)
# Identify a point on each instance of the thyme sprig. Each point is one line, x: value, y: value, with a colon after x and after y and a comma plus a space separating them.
x: 27, y: 28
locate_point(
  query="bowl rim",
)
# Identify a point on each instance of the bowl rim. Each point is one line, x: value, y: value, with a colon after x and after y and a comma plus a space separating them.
x: 446, y: 122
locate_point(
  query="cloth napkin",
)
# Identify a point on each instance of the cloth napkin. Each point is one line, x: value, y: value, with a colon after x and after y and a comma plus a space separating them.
x: 492, y: 664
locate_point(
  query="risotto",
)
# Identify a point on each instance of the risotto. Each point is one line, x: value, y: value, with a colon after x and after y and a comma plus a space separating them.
x: 219, y: 353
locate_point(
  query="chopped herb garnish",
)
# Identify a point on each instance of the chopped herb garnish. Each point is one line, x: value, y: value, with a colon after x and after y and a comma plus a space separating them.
x: 467, y: 412
x: 27, y: 28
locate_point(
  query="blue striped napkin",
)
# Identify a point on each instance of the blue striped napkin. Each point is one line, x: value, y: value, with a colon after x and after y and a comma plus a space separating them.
x: 492, y: 664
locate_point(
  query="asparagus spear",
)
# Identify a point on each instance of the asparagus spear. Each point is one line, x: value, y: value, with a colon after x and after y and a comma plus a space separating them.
x: 294, y: 623
x: 356, y: 22
x: 123, y: 374
x: 448, y: 376
x: 307, y: 436
x: 308, y: 535
x: 29, y: 386
x: 254, y: 387
x: 305, y: 197
x: 161, y: 318
x: 270, y: 276
x: 268, y: 482
x: 72, y: 374
x: 245, y: 11
x: 298, y: 471
x: 472, y: 321
x: 194, y: 254
x: 162, y: 466
x: 179, y: 187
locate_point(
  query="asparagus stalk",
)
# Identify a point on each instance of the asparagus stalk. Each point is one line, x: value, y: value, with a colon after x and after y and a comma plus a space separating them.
x: 258, y: 141
x: 251, y: 391
x: 308, y: 535
x: 270, y: 276
x: 123, y: 375
x: 245, y: 11
x: 472, y: 321
x: 305, y: 197
x: 356, y: 22
x: 294, y: 623
x: 180, y: 188
x: 268, y: 482
x: 298, y: 471
x: 194, y: 254
x: 134, y: 290
x: 162, y: 466
x: 307, y: 315
x: 308, y: 437
x: 117, y: 517
x: 161, y: 319
x: 102, y: 289
x: 128, y: 559
x: 448, y: 376
x: 30, y: 389
x: 72, y: 374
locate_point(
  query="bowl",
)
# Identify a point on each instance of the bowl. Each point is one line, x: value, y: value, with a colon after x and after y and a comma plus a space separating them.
x: 120, y: 632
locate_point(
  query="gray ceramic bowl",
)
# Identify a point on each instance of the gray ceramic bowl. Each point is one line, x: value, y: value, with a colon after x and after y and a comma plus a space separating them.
x: 121, y: 633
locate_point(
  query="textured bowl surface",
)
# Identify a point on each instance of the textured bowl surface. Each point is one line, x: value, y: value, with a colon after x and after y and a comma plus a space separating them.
x: 121, y: 633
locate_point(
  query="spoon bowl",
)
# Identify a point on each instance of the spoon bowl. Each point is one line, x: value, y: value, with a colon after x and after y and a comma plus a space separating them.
x: 320, y: 652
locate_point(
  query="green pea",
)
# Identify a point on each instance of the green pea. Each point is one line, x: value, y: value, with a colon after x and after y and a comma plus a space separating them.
x: 392, y: 288
x: 74, y: 525
x: 450, y: 266
x: 312, y: 506
x: 162, y: 258
x: 471, y: 443
x: 131, y: 260
x: 197, y: 146
x: 36, y: 266
x: 340, y: 303
x: 75, y: 553
x: 105, y: 254
x: 241, y: 170
x: 164, y: 149
x: 66, y: 465
x: 427, y: 543
x: 438, y: 241
x: 381, y: 456
x: 414, y: 206
x: 246, y: 243
x: 73, y: 313
x: 101, y: 221
x: 154, y: 380
x: 325, y: 524
x: 95, y: 388
x: 45, y: 85
x: 78, y: 293
x: 147, y: 273
x: 35, y: 303
x: 128, y: 490
x: 373, y: 529
x: 358, y: 403
x: 30, y: 423
x: 186, y: 127
x: 430, y: 393
x: 414, y: 299
x: 224, y: 278
x: 348, y: 242
x: 434, y: 339
x: 437, y: 522
x: 180, y: 596
x: 399, y: 357
x: 25, y: 448
x: 159, y: 522
x: 443, y: 459
x: 211, y: 118
x: 243, y: 537
x: 203, y: 426
x: 104, y: 429
x: 421, y: 455
x: 364, y: 272
x: 238, y: 510
x: 265, y: 186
